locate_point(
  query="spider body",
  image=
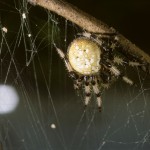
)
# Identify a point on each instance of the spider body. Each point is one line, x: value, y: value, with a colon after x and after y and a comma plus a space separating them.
x: 84, y: 56
x: 92, y: 64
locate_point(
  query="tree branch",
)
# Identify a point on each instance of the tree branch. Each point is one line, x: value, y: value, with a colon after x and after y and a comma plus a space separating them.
x: 89, y: 23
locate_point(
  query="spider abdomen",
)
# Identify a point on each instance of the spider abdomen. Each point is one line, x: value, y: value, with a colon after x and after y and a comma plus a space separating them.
x: 84, y: 56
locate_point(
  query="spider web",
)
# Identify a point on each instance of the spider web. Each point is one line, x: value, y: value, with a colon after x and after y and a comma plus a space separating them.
x: 50, y: 115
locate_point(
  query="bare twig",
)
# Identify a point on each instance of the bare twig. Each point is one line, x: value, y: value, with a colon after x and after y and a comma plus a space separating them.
x: 88, y: 23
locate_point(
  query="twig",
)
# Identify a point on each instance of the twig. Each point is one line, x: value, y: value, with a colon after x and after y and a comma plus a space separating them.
x: 88, y: 23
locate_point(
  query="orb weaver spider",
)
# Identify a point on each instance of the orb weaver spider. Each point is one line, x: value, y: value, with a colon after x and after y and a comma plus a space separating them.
x: 91, y: 61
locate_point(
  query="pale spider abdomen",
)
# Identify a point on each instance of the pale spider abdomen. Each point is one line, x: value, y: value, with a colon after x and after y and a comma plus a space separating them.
x: 84, y: 56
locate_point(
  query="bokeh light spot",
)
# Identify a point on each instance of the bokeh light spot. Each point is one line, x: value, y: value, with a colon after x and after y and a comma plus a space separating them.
x: 8, y: 99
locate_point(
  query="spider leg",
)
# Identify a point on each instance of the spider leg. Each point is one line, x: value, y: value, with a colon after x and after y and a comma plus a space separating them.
x: 142, y: 65
x: 96, y: 35
x: 121, y: 61
x: 78, y: 84
x: 97, y: 92
x: 87, y: 91
x: 79, y: 81
x: 115, y: 71
x: 106, y: 78
x: 62, y: 55
x: 135, y: 61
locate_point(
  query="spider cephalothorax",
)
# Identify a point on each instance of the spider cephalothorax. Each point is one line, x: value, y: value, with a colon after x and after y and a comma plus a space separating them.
x: 91, y: 62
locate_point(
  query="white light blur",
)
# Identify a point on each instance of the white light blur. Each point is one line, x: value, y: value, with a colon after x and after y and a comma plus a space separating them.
x: 4, y: 29
x: 24, y: 16
x: 53, y: 126
x: 8, y: 99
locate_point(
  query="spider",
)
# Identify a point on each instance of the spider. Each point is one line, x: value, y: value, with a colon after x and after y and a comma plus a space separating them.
x: 92, y: 61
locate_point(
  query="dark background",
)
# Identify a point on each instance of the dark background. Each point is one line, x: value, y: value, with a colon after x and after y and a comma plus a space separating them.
x: 46, y: 92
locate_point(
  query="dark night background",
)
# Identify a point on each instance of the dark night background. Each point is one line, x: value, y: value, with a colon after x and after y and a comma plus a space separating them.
x: 46, y: 92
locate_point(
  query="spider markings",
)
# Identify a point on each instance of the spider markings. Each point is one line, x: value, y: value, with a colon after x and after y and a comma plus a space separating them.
x: 84, y: 56
x: 90, y: 62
